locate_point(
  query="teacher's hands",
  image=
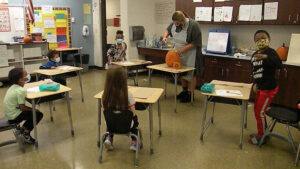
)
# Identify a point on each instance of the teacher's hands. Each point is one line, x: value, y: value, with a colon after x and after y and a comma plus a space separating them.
x: 180, y: 51
x: 164, y: 41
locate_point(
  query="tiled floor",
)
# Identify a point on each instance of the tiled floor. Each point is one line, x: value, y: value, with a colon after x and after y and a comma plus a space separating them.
x: 178, y: 148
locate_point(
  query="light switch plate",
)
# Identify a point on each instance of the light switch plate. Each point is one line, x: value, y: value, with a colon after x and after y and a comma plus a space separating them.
x: 72, y: 19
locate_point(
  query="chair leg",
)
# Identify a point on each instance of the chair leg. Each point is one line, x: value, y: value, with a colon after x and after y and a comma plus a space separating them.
x: 213, y: 113
x: 290, y: 139
x: 136, y: 162
x: 267, y: 131
x: 19, y: 141
x: 297, y: 155
x: 101, y: 147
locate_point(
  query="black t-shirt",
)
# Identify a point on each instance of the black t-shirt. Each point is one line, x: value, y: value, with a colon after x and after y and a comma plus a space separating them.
x: 264, y: 70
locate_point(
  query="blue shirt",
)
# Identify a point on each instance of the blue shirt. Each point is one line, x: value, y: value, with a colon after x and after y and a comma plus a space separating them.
x: 50, y: 64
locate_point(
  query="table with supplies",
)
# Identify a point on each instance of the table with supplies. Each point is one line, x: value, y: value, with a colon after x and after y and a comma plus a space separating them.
x: 175, y: 73
x: 227, y: 93
x: 141, y: 95
x: 61, y: 70
x: 33, y: 93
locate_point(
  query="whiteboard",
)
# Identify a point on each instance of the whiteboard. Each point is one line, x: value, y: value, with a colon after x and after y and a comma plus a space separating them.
x: 217, y: 42
x: 17, y: 22
x: 294, y: 50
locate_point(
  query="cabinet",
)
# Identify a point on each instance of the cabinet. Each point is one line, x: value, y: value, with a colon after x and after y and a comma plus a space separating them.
x: 236, y: 8
x: 28, y: 56
x: 227, y: 69
x: 288, y: 12
x: 190, y: 7
x: 289, y: 86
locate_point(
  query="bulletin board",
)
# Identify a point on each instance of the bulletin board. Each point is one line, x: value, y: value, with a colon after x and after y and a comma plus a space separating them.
x: 12, y: 22
x: 54, y: 24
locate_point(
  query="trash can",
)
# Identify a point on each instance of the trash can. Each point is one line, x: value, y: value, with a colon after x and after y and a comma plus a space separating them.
x: 85, y: 61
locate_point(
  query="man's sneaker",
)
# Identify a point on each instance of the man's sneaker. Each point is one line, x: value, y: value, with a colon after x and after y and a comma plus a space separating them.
x: 27, y: 138
x: 108, y: 143
x: 181, y: 94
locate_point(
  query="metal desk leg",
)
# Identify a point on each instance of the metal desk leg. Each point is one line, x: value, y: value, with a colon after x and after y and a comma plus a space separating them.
x: 165, y: 86
x: 80, y: 82
x: 246, y: 115
x: 204, y: 117
x: 175, y: 99
x: 69, y: 113
x: 149, y: 77
x: 136, y: 77
x: 50, y: 107
x: 36, y: 77
x: 159, y: 117
x: 34, y: 123
x: 242, y: 122
x: 151, y: 128
x: 80, y: 56
x: 99, y: 122
x: 192, y: 87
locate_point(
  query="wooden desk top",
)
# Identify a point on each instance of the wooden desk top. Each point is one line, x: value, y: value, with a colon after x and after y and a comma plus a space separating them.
x: 245, y: 89
x: 59, y: 70
x: 163, y: 67
x: 153, y: 98
x: 130, y: 63
x: 67, y: 49
x: 36, y: 95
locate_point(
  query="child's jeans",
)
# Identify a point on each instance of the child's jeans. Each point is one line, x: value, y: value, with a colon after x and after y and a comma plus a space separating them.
x: 263, y: 99
x: 28, y: 117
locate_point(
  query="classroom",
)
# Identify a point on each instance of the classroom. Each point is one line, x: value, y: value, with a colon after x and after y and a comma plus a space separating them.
x: 151, y: 84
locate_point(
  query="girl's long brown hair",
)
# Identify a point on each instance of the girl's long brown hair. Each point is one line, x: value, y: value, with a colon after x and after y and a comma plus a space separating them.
x: 115, y: 93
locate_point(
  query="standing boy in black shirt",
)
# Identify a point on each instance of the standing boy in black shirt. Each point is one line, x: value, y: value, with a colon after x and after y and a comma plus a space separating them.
x: 265, y: 62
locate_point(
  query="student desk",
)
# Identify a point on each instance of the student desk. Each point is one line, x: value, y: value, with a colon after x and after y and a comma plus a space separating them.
x: 133, y: 63
x: 62, y: 50
x: 152, y: 99
x: 36, y: 95
x: 175, y: 73
x: 61, y: 70
x: 245, y: 90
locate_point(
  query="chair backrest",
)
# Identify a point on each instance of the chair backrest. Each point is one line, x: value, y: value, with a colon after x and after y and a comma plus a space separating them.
x: 118, y: 121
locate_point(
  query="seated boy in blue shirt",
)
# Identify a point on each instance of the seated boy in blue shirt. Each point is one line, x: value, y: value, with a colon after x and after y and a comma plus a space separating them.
x: 53, y: 62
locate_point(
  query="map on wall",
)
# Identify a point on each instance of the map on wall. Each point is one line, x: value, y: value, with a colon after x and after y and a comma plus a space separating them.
x: 4, y: 20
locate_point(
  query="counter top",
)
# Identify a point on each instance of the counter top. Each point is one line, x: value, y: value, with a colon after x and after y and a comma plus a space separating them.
x: 224, y: 56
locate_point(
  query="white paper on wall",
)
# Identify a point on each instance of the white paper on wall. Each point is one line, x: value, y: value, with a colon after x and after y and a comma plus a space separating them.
x: 19, y: 24
x: 203, y: 14
x: 244, y: 12
x: 49, y: 22
x: 47, y: 9
x: 197, y: 0
x: 271, y: 10
x: 256, y: 13
x: 38, y: 18
x: 218, y: 14
x: 227, y: 13
x: 51, y: 38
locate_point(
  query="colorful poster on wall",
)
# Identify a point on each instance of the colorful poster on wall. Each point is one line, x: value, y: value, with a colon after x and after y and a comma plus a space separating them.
x: 49, y: 22
x: 61, y: 31
x: 4, y: 20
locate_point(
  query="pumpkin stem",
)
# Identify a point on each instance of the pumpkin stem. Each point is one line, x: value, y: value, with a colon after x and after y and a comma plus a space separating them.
x: 283, y: 44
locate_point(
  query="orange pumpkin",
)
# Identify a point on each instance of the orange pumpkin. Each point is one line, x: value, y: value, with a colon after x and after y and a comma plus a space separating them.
x: 27, y: 39
x: 171, y: 58
x: 282, y: 52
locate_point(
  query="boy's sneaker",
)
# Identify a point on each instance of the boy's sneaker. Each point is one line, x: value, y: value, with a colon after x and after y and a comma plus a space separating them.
x: 27, y: 138
x: 255, y: 139
x: 108, y: 143
x: 133, y: 145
